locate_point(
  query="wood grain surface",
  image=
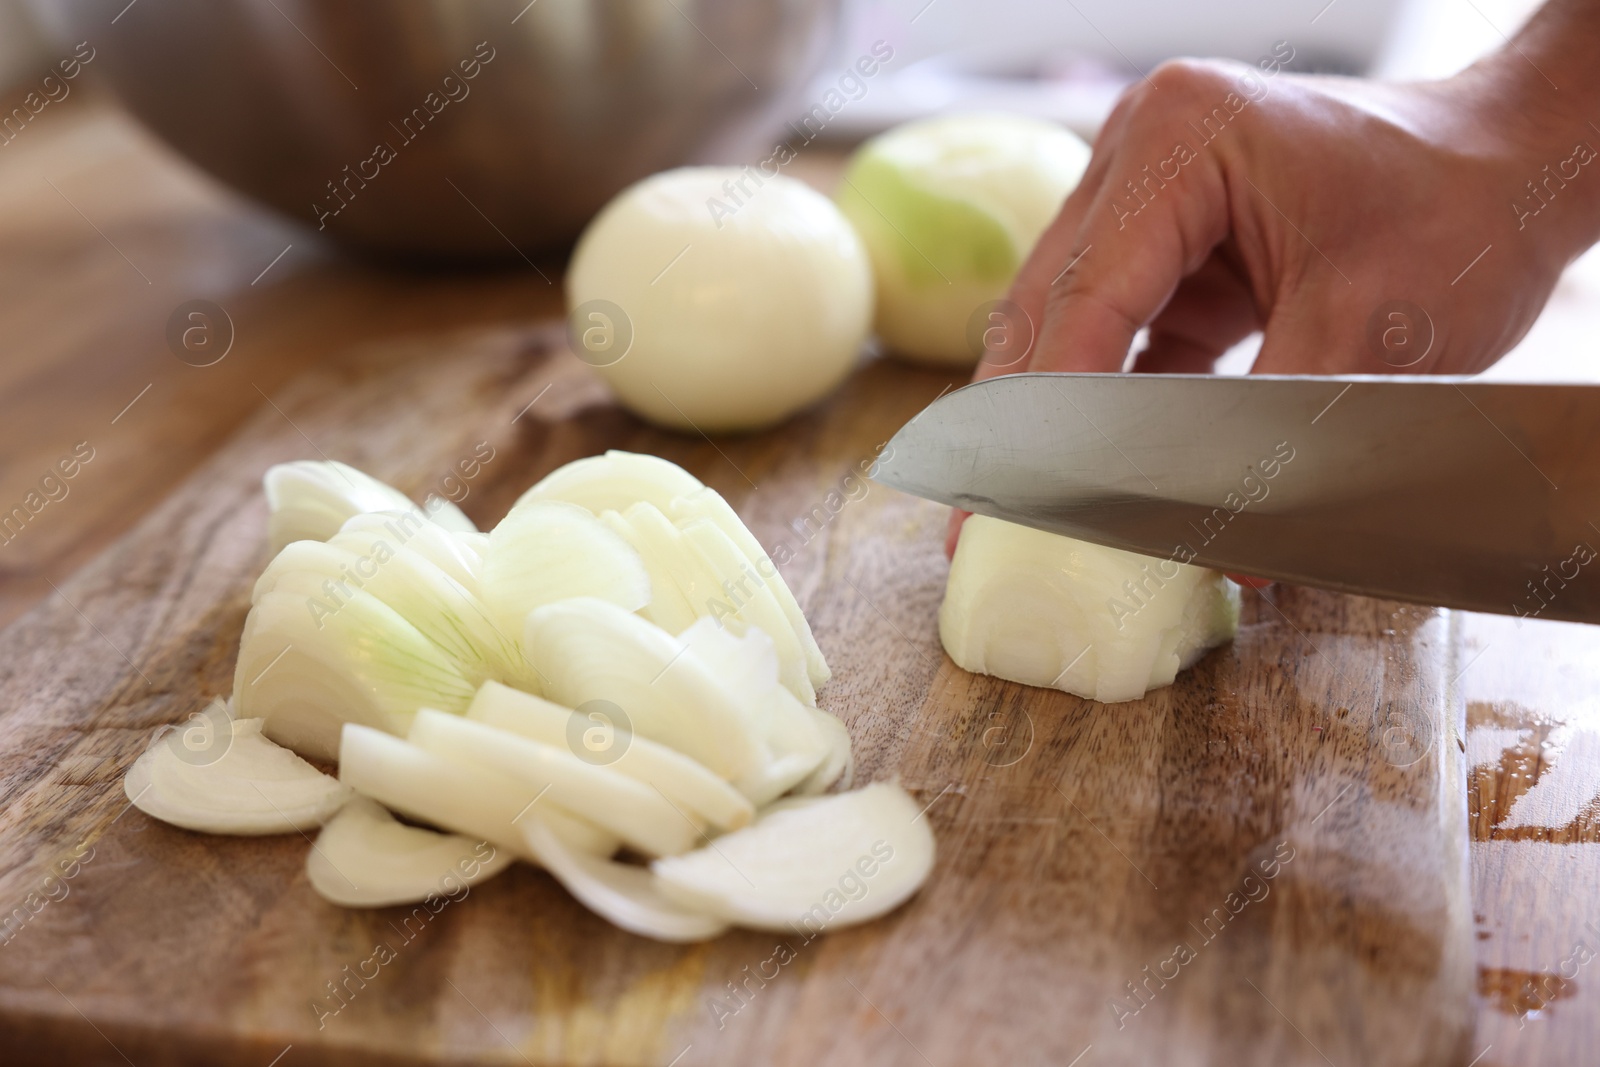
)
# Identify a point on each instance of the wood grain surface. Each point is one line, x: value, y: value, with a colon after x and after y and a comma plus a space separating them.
x: 1532, y: 695
x: 1058, y: 820
x: 1262, y: 864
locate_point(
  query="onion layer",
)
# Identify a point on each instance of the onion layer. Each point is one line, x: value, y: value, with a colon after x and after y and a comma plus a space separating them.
x: 620, y: 893
x: 810, y: 863
x: 547, y: 552
x: 311, y: 500
x: 593, y: 651
x: 308, y: 665
x: 640, y: 816
x: 229, y: 781
x: 1046, y: 610
x: 465, y: 799
x: 679, y: 778
x: 366, y: 858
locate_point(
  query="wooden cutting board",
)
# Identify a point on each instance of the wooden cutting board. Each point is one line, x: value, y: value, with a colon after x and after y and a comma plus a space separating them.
x: 1262, y: 864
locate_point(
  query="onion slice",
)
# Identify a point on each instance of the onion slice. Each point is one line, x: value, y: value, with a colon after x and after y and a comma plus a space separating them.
x: 744, y: 598
x: 307, y: 667
x: 477, y: 802
x: 234, y: 782
x: 447, y: 550
x: 309, y: 500
x: 747, y: 665
x: 618, y: 480
x: 366, y: 858
x: 809, y: 864
x: 678, y: 777
x: 441, y: 608
x: 641, y: 816
x: 620, y: 893
x: 708, y: 504
x: 591, y: 650
x: 839, y: 766
x: 676, y: 575
x: 378, y: 563
x: 548, y: 551
x: 613, y: 481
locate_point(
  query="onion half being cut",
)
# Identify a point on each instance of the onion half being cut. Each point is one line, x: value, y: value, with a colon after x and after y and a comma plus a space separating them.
x: 1046, y: 610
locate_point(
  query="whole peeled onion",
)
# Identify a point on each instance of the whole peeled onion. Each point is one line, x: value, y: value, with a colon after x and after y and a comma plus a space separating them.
x: 719, y: 298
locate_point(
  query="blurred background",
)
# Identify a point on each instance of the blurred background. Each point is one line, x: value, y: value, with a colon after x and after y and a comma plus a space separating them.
x: 1059, y: 58
x: 284, y: 100
x: 154, y: 153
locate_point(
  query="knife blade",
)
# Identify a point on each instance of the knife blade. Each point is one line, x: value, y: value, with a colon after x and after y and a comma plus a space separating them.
x: 1434, y: 490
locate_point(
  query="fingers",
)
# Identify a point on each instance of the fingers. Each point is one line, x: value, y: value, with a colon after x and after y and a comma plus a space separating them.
x: 1054, y: 250
x: 1160, y: 209
x: 1176, y: 355
x: 952, y: 532
x: 1147, y: 214
x: 1212, y: 311
x: 1316, y: 333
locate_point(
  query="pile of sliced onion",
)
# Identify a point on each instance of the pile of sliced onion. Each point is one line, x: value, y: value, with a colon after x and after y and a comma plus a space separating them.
x: 614, y: 683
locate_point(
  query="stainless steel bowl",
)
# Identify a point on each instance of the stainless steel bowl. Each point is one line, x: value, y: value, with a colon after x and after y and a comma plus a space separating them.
x: 459, y: 129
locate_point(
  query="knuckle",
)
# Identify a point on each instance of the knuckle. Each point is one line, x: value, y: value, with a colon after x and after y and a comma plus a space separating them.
x: 1189, y: 77
x: 1130, y: 100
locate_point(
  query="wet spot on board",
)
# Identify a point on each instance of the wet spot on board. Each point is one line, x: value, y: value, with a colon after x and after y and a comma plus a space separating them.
x: 1523, y: 992
x: 1511, y: 750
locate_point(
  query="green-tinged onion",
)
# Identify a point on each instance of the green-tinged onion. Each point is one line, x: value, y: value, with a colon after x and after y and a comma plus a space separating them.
x: 309, y: 663
x: 949, y: 209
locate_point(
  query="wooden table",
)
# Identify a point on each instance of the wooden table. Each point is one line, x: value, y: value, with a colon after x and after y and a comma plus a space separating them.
x: 103, y: 233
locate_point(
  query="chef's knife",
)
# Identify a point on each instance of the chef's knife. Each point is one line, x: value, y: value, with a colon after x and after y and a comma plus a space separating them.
x: 1434, y: 490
